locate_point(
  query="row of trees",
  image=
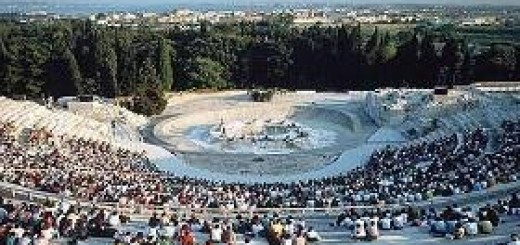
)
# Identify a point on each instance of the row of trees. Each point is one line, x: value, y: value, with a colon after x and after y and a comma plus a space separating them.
x: 76, y: 57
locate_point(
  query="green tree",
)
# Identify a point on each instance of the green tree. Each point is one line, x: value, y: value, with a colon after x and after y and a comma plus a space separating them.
x: 387, y: 49
x: 428, y: 62
x: 452, y: 58
x: 205, y: 73
x: 498, y: 63
x: 165, y: 64
x: 8, y: 78
x: 32, y: 58
x: 517, y: 51
x: 384, y: 55
x: 356, y: 39
x: 372, y: 47
x: 407, y: 62
x: 467, y: 72
x: 63, y: 75
x: 127, y: 61
x: 106, y: 66
x: 147, y: 76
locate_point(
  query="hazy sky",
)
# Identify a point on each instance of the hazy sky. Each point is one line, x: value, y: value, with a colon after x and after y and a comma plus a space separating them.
x: 458, y: 2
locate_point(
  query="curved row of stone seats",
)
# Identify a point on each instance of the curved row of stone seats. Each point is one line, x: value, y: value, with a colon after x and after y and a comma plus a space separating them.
x: 466, y: 121
x: 503, y: 112
x: 514, y: 112
x: 485, y: 116
x: 9, y: 106
x: 29, y: 119
x: 105, y: 112
x: 457, y: 122
x: 17, y: 111
x: 26, y: 114
x: 449, y: 125
x: 416, y: 123
x: 491, y: 114
x: 480, y: 117
x: 488, y: 111
x: 132, y: 119
x: 20, y: 114
x: 498, y: 114
x: 474, y: 121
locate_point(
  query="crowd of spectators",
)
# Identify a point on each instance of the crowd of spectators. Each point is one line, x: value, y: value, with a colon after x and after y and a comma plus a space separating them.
x: 97, y: 172
x: 452, y: 222
x: 39, y: 224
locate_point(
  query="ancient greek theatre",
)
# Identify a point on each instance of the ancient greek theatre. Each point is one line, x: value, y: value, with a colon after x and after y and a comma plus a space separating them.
x: 297, y: 136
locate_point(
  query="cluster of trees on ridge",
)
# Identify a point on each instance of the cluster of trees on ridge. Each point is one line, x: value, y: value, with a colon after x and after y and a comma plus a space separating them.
x: 71, y: 57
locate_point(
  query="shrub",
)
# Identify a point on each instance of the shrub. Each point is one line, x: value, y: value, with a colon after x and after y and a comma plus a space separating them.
x: 262, y: 95
x: 149, y: 102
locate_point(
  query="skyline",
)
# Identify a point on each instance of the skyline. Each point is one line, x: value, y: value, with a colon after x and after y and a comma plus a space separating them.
x: 265, y: 2
x: 98, y: 6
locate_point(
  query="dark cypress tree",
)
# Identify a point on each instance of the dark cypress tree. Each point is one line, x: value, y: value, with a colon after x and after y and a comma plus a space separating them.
x: 517, y: 52
x: 9, y: 72
x: 31, y: 63
x: 372, y: 46
x: 452, y: 58
x: 467, y: 75
x: 428, y: 63
x: 356, y: 40
x: 371, y: 60
x: 385, y: 53
x: 106, y: 66
x: 355, y: 60
x: 63, y: 75
x: 407, y: 63
x: 5, y: 86
x: 165, y: 64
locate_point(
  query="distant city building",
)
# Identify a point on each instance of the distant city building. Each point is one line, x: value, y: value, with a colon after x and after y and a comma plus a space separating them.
x: 498, y: 86
x: 301, y: 17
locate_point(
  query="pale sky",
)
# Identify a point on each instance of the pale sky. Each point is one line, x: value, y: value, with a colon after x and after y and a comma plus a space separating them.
x: 458, y: 2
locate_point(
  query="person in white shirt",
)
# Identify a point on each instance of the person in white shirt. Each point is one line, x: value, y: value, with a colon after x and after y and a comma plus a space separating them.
x: 64, y: 206
x: 312, y: 235
x: 48, y: 233
x: 114, y: 220
x: 216, y: 234
x: 359, y: 230
x: 18, y: 231
x: 289, y: 228
x: 153, y: 232
x: 168, y: 230
x: 373, y: 229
